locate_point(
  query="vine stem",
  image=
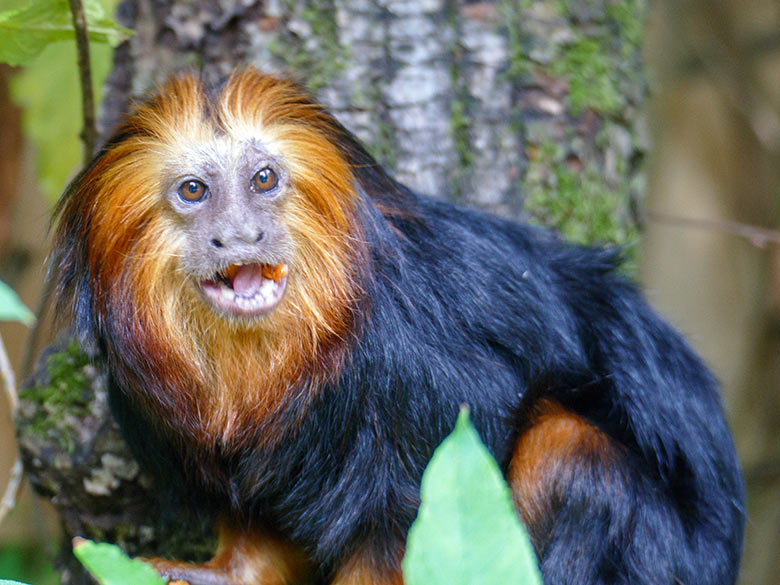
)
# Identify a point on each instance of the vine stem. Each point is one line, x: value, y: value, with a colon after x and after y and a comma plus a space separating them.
x: 89, y: 133
x: 9, y: 385
x: 88, y: 136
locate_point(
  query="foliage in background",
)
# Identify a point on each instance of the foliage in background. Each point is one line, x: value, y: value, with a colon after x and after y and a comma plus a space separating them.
x: 39, y: 35
x: 48, y: 90
x: 29, y: 562
x: 27, y: 30
x: 12, y: 308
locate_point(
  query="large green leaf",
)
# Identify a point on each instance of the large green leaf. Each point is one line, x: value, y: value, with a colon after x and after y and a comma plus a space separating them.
x: 467, y: 531
x: 111, y: 566
x: 26, y: 31
x: 11, y: 308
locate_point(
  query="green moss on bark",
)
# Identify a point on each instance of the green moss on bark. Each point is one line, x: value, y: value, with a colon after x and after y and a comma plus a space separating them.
x: 316, y: 54
x: 602, y: 58
x: 65, y: 398
x: 576, y: 200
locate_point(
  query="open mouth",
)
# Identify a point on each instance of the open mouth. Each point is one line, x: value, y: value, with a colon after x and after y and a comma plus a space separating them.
x: 247, y: 290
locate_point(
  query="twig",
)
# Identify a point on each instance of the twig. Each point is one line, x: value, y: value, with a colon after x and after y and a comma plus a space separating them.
x: 89, y: 133
x: 9, y: 384
x: 35, y: 333
x: 758, y: 236
x: 9, y: 380
x: 759, y: 47
x: 12, y: 489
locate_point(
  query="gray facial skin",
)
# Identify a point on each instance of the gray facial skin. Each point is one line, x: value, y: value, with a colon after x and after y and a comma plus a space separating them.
x: 227, y: 201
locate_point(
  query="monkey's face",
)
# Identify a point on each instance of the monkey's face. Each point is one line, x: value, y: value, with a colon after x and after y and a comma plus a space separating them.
x: 218, y: 231
x: 218, y: 214
x: 228, y: 202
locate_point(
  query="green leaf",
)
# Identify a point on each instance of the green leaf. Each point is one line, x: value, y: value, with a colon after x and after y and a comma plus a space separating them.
x: 26, y: 31
x: 48, y: 90
x: 12, y: 308
x: 6, y: 582
x: 467, y: 531
x: 111, y: 566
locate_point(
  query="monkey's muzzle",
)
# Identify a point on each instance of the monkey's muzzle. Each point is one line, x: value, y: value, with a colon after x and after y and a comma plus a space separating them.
x: 246, y: 290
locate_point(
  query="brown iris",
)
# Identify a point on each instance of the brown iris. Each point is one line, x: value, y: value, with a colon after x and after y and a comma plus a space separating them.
x: 264, y: 180
x: 192, y: 191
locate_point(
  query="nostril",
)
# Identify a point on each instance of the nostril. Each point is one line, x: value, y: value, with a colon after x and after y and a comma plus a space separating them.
x: 217, y: 244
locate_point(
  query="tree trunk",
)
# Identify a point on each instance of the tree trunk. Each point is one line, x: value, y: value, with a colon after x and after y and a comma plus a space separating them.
x: 513, y: 106
x: 489, y: 103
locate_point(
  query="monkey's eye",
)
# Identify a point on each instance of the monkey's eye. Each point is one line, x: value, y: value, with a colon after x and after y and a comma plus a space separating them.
x: 264, y: 180
x: 192, y: 191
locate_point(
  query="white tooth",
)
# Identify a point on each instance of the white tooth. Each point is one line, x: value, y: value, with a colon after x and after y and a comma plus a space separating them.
x: 267, y: 288
x: 226, y: 292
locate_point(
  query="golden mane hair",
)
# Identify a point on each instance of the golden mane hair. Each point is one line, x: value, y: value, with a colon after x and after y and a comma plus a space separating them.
x: 149, y: 306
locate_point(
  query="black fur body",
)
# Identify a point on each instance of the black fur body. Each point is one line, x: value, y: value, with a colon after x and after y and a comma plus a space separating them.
x: 469, y: 309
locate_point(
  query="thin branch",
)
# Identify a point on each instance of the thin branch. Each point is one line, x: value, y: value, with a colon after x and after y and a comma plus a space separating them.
x: 35, y: 333
x: 9, y: 380
x: 758, y: 236
x: 9, y: 384
x: 8, y: 501
x: 694, y: 65
x: 89, y: 133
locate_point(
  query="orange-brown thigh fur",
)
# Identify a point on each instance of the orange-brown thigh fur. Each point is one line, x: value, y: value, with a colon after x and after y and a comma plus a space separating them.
x: 244, y: 557
x: 555, y: 445
x: 363, y: 569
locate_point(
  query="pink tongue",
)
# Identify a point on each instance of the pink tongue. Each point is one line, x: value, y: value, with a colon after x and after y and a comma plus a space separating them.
x: 248, y: 279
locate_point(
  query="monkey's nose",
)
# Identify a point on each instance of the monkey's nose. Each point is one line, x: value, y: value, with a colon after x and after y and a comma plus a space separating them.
x: 233, y: 238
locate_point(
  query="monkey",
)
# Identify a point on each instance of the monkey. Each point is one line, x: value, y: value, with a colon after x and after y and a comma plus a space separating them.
x: 291, y: 332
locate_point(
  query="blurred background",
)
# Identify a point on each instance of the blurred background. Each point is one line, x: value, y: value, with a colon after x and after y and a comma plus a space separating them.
x: 705, y: 199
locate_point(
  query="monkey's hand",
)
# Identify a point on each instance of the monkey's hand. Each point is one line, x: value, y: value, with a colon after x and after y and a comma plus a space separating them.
x: 244, y: 557
x: 179, y: 573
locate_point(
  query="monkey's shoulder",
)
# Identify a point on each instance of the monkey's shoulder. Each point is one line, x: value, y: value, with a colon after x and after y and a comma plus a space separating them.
x: 465, y: 257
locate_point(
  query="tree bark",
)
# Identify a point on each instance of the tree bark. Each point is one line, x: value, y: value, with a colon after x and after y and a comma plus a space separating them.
x: 519, y: 107
x: 488, y: 103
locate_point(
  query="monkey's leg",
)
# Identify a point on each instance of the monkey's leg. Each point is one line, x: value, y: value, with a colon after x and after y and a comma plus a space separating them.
x: 243, y: 558
x: 594, y: 512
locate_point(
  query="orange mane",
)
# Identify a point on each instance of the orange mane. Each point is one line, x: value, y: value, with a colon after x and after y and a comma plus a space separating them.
x: 225, y: 376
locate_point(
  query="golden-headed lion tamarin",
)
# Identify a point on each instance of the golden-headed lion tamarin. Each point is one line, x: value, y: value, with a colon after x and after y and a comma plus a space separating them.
x: 291, y: 333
